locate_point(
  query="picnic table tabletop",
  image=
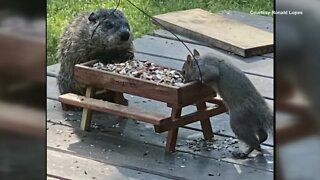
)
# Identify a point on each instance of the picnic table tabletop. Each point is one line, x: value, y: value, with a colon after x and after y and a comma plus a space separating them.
x: 117, y: 148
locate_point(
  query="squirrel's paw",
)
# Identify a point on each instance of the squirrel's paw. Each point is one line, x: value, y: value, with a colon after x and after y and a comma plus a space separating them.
x: 239, y: 155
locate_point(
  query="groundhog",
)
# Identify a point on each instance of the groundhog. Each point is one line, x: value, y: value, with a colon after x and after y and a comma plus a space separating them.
x: 104, y: 35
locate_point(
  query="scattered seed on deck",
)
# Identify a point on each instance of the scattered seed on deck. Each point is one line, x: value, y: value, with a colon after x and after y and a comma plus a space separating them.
x: 146, y: 153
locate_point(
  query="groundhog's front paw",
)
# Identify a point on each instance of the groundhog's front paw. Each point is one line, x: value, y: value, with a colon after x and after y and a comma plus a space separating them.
x: 122, y: 101
x: 127, y: 56
x: 239, y: 155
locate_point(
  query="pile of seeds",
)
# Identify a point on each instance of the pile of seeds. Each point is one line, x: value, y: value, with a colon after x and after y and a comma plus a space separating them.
x: 144, y: 70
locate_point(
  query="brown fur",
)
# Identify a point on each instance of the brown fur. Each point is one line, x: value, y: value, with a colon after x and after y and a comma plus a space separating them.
x: 92, y: 35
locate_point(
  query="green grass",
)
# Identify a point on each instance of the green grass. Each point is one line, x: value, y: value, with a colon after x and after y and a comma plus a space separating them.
x: 60, y: 12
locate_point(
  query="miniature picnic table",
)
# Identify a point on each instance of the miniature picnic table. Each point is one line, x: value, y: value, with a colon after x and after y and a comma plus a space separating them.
x: 176, y: 98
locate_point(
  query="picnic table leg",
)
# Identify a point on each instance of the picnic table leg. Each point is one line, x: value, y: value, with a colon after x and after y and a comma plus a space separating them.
x: 173, y: 134
x: 205, y: 123
x: 86, y: 113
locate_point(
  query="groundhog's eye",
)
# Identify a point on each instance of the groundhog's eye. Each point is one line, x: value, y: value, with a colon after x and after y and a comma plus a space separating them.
x: 127, y: 25
x: 109, y: 25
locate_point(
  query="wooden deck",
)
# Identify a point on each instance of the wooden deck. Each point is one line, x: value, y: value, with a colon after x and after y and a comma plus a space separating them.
x: 116, y: 148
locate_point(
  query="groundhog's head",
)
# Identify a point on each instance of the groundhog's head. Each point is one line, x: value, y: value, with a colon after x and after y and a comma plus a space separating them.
x: 110, y: 27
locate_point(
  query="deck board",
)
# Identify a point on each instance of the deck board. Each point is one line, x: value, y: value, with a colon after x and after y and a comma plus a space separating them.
x: 71, y: 166
x: 218, y: 31
x: 105, y: 123
x: 96, y: 144
x: 260, y: 22
x: 172, y: 49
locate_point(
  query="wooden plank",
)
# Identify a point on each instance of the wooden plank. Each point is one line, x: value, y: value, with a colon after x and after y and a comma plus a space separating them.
x: 160, y: 33
x: 86, y: 112
x: 70, y: 166
x: 190, y: 118
x: 205, y: 122
x: 189, y: 95
x: 116, y: 109
x: 125, y: 84
x: 183, y: 94
x: 218, y: 31
x: 261, y: 22
x: 172, y: 135
x: 173, y: 51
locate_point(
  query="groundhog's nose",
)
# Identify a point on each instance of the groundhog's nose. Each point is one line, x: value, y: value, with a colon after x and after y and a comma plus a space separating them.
x: 124, y: 36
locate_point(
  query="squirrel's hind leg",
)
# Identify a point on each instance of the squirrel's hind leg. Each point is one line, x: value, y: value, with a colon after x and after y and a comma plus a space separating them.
x: 249, y: 137
x: 263, y: 135
x: 242, y: 155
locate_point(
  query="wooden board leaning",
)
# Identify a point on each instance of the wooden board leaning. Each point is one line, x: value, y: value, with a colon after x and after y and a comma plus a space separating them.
x: 218, y: 31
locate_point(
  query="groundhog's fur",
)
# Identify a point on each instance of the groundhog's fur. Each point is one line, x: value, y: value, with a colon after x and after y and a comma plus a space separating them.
x: 104, y: 34
x: 250, y: 117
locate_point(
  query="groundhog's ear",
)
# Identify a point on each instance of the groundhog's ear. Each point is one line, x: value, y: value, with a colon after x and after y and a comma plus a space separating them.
x: 196, y: 53
x: 189, y: 59
x: 92, y: 17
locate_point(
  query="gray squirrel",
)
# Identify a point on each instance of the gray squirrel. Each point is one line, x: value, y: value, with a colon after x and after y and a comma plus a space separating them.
x: 250, y: 117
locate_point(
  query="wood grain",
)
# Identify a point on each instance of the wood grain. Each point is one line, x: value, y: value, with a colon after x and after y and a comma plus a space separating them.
x: 125, y: 84
x: 194, y: 92
x: 205, y: 122
x: 86, y: 112
x: 190, y: 118
x: 116, y: 109
x: 173, y: 133
x: 218, y: 31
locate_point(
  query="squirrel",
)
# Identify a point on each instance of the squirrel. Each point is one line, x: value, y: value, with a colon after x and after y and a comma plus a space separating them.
x: 250, y: 117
